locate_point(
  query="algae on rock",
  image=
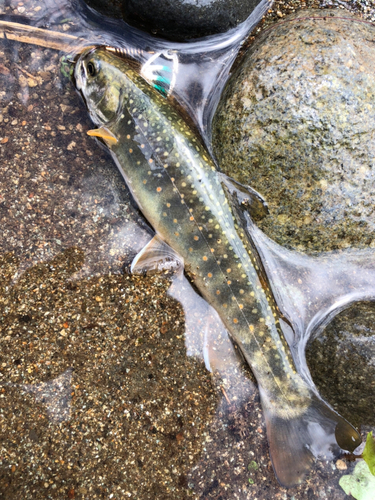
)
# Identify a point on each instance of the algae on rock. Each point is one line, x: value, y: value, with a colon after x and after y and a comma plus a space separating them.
x: 297, y: 122
x: 341, y: 363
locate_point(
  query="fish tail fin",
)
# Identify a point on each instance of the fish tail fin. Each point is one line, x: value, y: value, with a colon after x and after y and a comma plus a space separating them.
x: 295, y: 440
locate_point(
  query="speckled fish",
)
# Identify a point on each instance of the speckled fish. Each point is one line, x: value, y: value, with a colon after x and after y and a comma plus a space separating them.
x: 197, y: 213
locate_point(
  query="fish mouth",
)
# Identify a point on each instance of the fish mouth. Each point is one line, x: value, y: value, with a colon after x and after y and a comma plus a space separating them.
x: 92, y: 92
x: 79, y: 70
x: 80, y: 79
x: 79, y: 75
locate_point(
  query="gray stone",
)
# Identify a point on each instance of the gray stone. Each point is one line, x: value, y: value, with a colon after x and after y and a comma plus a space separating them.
x: 111, y: 8
x: 297, y: 122
x: 342, y: 363
x: 178, y: 20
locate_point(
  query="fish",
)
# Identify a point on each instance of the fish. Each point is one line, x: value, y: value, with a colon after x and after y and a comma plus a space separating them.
x: 200, y: 220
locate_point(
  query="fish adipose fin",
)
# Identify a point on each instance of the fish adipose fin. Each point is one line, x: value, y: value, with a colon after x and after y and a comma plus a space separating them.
x: 246, y: 197
x: 157, y: 257
x: 294, y: 441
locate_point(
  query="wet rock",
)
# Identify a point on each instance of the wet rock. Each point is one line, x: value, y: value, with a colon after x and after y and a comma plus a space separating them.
x: 341, y: 361
x: 179, y: 19
x: 111, y: 8
x: 297, y: 122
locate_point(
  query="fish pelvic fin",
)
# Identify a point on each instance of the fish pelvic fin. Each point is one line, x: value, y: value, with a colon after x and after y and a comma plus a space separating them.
x: 296, y: 440
x: 157, y: 257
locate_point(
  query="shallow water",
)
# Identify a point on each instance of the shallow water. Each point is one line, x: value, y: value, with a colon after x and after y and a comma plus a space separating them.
x: 105, y: 391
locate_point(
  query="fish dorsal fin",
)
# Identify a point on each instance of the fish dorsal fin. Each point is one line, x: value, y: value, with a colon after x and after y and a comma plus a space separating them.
x: 157, y: 257
x: 245, y: 203
x: 161, y: 74
x: 247, y: 198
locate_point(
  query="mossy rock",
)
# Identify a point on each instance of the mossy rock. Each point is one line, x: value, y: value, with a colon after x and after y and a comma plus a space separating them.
x: 296, y: 122
x: 180, y: 20
x: 341, y: 361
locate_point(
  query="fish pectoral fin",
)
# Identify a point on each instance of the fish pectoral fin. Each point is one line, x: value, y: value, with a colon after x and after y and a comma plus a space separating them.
x: 247, y: 198
x: 157, y: 257
x: 295, y: 440
x: 105, y: 134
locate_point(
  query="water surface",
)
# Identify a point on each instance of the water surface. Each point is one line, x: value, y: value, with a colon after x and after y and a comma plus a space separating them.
x: 105, y: 391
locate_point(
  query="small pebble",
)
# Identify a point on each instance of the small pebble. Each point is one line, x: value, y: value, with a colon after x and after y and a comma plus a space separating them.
x: 341, y: 465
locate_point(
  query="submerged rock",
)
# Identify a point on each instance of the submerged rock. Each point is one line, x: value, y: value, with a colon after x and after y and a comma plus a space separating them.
x: 179, y: 19
x: 341, y: 361
x: 297, y: 122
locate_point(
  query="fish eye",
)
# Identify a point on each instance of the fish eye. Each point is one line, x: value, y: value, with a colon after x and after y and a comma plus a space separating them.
x: 91, y: 69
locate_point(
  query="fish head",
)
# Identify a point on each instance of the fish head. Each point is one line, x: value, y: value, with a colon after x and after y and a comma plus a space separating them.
x: 102, y: 80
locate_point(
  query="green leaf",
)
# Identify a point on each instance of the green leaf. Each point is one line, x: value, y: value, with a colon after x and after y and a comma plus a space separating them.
x: 360, y: 484
x: 66, y: 67
x: 369, y: 453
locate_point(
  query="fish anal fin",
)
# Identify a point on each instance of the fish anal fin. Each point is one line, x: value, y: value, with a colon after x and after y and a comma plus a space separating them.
x: 247, y: 198
x: 157, y: 257
x: 318, y: 432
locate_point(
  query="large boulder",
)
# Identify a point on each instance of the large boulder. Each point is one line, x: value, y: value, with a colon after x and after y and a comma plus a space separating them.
x: 297, y: 122
x: 179, y: 19
x: 341, y: 361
